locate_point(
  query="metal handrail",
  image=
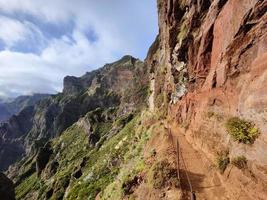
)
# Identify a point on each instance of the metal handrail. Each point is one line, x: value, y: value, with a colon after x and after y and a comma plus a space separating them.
x: 179, y: 154
x: 178, y: 160
x: 187, y: 176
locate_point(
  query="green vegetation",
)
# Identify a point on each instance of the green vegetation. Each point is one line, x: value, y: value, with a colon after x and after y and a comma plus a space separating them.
x: 70, y: 146
x: 111, y: 170
x: 222, y: 160
x: 119, y: 156
x: 29, y: 184
x: 122, y: 121
x: 241, y: 130
x: 240, y: 162
x: 143, y: 91
x: 132, y: 161
x: 183, y: 32
x: 212, y: 114
x: 94, y: 151
x: 162, y: 174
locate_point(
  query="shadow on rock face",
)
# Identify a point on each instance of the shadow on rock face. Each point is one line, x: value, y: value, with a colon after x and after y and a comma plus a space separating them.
x: 7, y: 191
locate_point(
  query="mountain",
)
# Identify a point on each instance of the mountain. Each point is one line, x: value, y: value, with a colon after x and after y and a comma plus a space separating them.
x: 14, y: 106
x: 189, y: 121
x: 208, y: 71
x: 4, y: 112
x: 78, y: 132
x: 35, y: 125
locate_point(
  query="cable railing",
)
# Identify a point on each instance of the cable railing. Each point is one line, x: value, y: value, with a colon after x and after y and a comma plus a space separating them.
x: 180, y: 161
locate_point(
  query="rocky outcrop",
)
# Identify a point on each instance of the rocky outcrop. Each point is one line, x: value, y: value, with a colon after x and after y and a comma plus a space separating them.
x: 207, y: 71
x: 13, y: 130
x: 83, y: 133
x: 13, y: 107
x: 100, y: 88
x: 208, y: 65
x: 7, y: 191
x: 11, y: 137
x: 42, y: 157
x: 34, y: 126
x: 121, y: 85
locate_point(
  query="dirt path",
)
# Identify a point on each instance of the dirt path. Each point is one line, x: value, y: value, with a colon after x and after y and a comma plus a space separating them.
x: 204, y: 179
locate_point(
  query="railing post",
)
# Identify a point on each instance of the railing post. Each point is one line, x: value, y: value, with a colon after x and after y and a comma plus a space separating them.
x: 193, y: 196
x: 178, y: 159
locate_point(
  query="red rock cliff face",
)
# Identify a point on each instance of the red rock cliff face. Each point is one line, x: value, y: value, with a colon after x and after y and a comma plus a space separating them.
x: 209, y: 64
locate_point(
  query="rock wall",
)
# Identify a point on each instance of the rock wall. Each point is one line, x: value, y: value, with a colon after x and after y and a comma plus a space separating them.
x: 209, y: 64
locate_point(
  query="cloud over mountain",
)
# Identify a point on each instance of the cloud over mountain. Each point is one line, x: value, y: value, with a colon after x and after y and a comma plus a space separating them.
x: 43, y: 41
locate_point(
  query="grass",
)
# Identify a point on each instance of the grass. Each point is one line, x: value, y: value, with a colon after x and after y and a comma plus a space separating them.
x: 29, y: 184
x: 241, y: 130
x: 212, y: 114
x: 132, y: 164
x: 123, y: 120
x: 104, y: 164
x: 104, y: 169
x: 102, y: 128
x: 162, y: 174
x: 222, y: 160
x: 71, y: 146
x: 240, y: 162
x: 183, y: 32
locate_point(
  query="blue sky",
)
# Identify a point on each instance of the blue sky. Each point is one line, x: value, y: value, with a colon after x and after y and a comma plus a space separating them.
x: 43, y: 41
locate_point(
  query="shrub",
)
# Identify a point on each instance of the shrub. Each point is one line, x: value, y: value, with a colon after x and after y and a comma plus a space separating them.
x: 240, y: 162
x: 217, y: 116
x: 222, y: 161
x: 241, y: 130
x: 163, y: 175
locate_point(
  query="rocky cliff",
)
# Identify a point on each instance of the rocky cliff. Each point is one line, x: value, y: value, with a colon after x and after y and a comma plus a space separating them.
x: 35, y: 125
x: 14, y: 106
x: 208, y: 72
x: 204, y: 80
x: 83, y: 135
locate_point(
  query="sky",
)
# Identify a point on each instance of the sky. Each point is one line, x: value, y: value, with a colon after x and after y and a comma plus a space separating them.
x: 43, y: 41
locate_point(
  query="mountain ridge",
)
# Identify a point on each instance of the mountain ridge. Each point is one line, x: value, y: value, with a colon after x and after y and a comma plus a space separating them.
x: 51, y: 116
x: 14, y: 106
x: 114, y: 133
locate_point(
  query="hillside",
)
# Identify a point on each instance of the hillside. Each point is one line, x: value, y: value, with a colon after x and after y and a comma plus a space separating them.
x: 94, y: 111
x: 191, y: 117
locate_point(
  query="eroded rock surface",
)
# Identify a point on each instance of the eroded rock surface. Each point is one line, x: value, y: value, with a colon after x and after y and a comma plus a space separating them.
x: 208, y: 64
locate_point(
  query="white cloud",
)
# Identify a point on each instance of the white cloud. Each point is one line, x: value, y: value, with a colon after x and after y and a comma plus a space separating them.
x: 102, y: 32
x: 12, y: 31
x: 23, y: 73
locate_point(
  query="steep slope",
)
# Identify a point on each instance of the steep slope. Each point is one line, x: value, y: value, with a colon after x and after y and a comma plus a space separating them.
x: 11, y: 136
x: 110, y: 152
x: 92, y: 133
x: 6, y: 188
x: 34, y: 126
x: 13, y: 107
x: 4, y: 113
x: 18, y: 117
x: 208, y: 73
x: 97, y: 140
